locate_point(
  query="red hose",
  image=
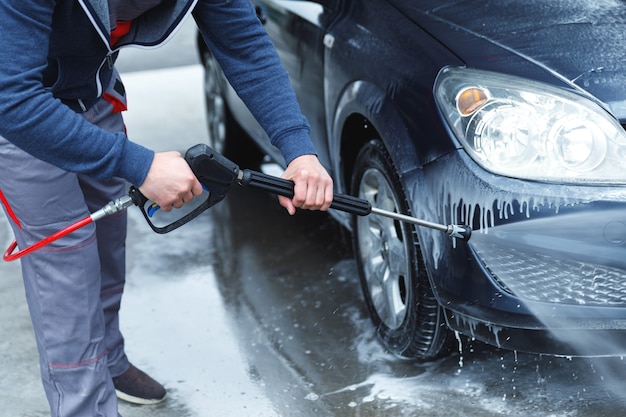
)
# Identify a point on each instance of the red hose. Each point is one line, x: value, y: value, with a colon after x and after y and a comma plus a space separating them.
x: 10, y: 256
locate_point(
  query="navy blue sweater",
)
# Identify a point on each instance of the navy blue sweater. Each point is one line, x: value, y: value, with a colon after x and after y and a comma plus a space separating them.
x: 55, y: 53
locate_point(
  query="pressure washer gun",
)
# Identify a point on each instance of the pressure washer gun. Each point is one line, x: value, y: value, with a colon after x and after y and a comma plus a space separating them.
x: 213, y: 168
x: 217, y: 174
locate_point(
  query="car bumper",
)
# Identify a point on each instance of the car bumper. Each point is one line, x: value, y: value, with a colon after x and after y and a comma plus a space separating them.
x: 545, y: 268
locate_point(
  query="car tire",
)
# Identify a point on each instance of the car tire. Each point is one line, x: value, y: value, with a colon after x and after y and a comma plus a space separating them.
x: 226, y: 136
x: 398, y: 293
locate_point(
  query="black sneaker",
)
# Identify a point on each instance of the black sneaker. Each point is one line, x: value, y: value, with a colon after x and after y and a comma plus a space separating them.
x: 135, y: 386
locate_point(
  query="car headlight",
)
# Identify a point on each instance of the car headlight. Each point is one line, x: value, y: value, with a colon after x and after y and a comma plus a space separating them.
x: 524, y: 129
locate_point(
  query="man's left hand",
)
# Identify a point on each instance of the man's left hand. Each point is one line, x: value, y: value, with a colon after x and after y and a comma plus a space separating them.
x: 313, y: 187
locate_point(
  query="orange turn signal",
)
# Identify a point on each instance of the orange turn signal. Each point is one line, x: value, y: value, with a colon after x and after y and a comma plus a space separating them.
x: 470, y: 99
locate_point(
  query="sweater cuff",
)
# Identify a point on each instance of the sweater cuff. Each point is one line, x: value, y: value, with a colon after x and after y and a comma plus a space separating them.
x: 135, y: 162
x: 295, y: 143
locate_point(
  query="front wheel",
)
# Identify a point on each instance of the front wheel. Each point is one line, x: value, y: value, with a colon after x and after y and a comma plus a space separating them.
x: 400, y: 299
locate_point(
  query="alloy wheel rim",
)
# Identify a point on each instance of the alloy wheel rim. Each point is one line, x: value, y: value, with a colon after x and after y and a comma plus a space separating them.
x: 383, y: 252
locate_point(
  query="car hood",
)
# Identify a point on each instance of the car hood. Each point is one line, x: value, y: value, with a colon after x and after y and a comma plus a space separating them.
x: 581, y: 43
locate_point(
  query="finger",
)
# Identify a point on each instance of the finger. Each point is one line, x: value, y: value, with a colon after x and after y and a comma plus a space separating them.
x: 299, y: 193
x: 312, y: 200
x: 328, y: 197
x: 315, y: 197
x: 320, y: 197
x: 166, y: 208
x: 309, y: 201
x: 288, y: 204
x: 197, y: 188
x: 188, y: 197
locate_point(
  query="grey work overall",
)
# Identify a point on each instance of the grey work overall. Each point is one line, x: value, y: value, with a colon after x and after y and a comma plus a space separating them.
x: 73, y: 286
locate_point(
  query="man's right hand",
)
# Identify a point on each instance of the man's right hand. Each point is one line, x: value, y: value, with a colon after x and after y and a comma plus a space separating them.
x: 170, y: 183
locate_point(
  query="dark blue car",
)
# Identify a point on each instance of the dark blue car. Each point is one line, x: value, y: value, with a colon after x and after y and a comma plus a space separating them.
x: 507, y: 116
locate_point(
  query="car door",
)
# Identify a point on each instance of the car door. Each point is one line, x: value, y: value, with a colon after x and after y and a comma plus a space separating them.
x: 297, y: 29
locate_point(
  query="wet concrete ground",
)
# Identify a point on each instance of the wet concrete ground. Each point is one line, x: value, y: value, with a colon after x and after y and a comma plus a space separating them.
x: 250, y: 312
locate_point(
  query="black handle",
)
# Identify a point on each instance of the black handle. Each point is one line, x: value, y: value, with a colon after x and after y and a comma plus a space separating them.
x: 281, y: 186
x: 215, y: 173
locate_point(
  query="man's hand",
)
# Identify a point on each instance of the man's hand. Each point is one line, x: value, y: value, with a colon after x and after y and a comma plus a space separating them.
x: 170, y: 182
x: 313, y: 187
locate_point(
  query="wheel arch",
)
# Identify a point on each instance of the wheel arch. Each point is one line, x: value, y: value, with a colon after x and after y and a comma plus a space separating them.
x: 365, y: 112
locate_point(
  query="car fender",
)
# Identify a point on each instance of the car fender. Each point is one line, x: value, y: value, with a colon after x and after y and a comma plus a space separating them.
x: 365, y: 99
